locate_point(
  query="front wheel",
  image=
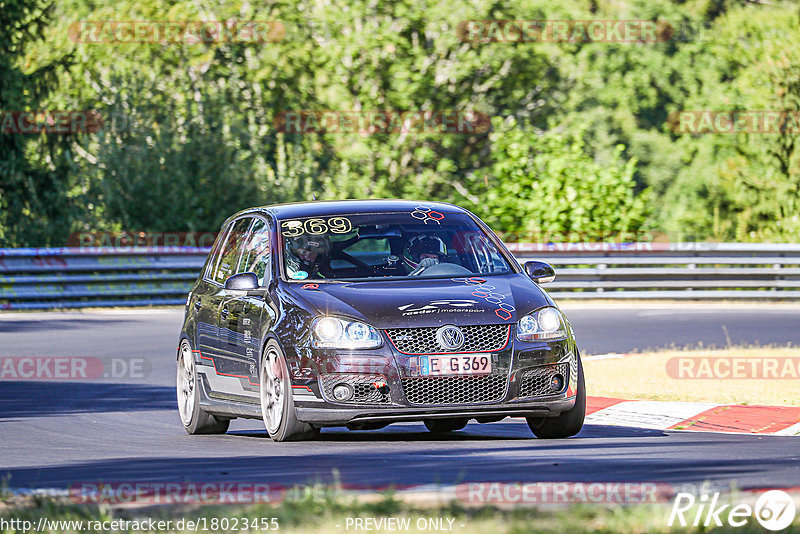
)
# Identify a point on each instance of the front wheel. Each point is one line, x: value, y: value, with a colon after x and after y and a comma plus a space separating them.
x: 194, y: 419
x: 567, y: 423
x: 277, y: 405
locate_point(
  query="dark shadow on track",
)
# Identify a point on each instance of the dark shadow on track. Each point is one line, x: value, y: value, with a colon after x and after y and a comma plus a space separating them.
x: 34, y: 399
x: 430, y: 462
x: 517, y: 430
x: 67, y: 323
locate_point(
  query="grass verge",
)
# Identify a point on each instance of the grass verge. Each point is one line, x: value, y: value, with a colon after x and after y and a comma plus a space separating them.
x: 337, y: 515
x: 701, y: 376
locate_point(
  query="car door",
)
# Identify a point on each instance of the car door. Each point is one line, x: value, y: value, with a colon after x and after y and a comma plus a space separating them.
x: 206, y: 300
x: 218, y: 369
x: 240, y: 315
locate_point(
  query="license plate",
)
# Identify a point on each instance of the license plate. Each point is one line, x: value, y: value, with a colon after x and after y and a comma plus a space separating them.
x: 455, y: 364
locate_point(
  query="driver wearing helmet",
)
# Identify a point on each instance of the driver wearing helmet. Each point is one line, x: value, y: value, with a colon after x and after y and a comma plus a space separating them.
x: 423, y: 251
x: 310, y: 257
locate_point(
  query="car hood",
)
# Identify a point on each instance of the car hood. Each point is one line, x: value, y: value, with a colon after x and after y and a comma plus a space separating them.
x: 500, y: 299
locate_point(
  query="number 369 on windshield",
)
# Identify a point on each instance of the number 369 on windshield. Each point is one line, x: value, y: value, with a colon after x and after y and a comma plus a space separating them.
x: 296, y: 227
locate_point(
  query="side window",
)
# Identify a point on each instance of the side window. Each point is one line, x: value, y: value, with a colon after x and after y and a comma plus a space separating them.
x: 230, y: 250
x: 216, y: 249
x: 256, y: 255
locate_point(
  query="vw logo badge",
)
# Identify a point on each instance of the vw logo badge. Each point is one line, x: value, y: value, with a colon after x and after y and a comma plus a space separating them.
x: 450, y: 337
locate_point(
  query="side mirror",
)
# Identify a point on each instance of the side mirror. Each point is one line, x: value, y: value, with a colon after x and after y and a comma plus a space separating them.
x: 540, y: 272
x: 242, y: 282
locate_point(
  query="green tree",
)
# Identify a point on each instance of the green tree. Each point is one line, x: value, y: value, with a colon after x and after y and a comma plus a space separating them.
x: 190, y: 135
x: 36, y: 202
x: 743, y: 186
x: 545, y: 186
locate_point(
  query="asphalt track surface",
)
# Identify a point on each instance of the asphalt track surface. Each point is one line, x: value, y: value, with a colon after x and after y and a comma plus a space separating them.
x: 55, y: 433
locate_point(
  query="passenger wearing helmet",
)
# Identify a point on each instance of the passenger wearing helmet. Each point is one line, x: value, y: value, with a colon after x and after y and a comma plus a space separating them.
x: 308, y: 257
x: 423, y: 251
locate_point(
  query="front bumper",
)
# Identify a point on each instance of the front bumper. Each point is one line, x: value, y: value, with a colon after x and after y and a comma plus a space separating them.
x: 348, y: 416
x: 513, y: 394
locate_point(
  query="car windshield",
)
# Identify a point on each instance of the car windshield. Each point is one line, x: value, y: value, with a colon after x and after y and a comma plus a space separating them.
x: 421, y: 243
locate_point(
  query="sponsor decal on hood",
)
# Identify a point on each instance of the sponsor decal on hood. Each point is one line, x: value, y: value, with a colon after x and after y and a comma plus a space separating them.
x: 441, y: 306
x: 428, y: 302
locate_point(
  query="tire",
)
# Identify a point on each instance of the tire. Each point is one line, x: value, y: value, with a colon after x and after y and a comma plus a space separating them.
x: 442, y: 426
x: 567, y: 423
x: 277, y: 405
x: 193, y: 418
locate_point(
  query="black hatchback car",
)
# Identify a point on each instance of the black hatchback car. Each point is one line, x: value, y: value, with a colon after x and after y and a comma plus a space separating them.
x: 368, y: 312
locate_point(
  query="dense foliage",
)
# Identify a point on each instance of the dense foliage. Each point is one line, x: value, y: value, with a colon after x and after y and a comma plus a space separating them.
x: 581, y: 141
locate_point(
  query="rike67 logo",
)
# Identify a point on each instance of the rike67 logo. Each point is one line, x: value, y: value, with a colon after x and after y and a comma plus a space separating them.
x: 774, y: 510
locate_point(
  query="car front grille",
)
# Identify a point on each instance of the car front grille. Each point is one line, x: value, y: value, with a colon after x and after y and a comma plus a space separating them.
x: 455, y: 389
x: 536, y: 382
x: 363, y: 392
x: 479, y: 338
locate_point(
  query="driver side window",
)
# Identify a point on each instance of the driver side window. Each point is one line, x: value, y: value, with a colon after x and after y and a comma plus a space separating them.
x: 256, y: 253
x: 228, y: 264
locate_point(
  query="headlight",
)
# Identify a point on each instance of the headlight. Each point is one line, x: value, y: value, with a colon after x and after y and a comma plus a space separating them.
x: 547, y: 323
x: 334, y: 333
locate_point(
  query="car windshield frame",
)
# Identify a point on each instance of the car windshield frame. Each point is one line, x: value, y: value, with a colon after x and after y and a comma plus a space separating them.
x: 512, y: 264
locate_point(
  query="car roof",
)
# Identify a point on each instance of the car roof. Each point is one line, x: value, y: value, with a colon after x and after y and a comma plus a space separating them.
x: 341, y: 207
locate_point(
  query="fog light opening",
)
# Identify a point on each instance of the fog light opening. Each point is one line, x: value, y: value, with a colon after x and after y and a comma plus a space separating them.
x: 381, y: 387
x: 342, y: 392
x: 557, y: 383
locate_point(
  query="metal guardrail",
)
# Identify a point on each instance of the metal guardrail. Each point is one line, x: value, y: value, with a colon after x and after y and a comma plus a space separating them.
x: 669, y: 270
x: 42, y: 278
